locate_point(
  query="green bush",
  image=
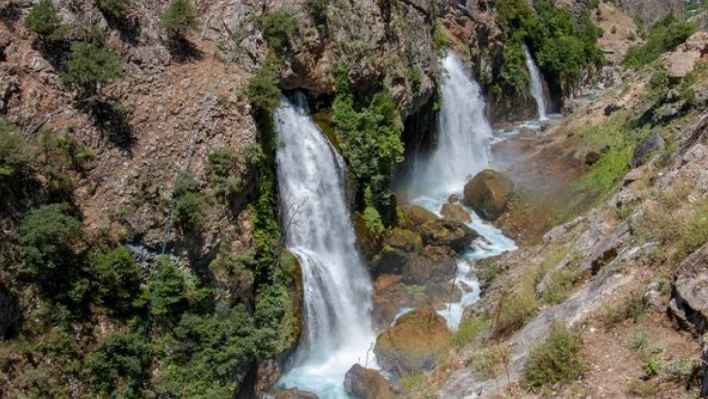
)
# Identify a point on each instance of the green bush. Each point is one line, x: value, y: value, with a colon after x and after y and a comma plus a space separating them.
x: 441, y: 41
x: 180, y: 19
x: 556, y: 361
x: 119, y: 366
x: 114, y: 8
x: 224, y: 172
x: 44, y: 20
x: 90, y: 65
x: 16, y: 158
x: 49, y: 237
x: 370, y: 140
x: 188, y: 210
x: 277, y: 27
x: 117, y: 280
x: 318, y: 11
x: 663, y: 37
x: 468, y: 330
x: 263, y: 91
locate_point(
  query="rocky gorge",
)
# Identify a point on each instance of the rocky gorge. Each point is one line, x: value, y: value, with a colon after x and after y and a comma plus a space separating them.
x: 169, y: 229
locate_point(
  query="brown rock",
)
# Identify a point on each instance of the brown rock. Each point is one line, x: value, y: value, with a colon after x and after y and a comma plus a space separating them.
x: 417, y: 216
x: 457, y: 212
x: 362, y: 383
x: 489, y: 193
x: 294, y: 393
x: 411, y: 345
x: 447, y: 233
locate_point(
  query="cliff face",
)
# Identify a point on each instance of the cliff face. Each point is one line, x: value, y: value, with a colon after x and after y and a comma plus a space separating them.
x: 652, y: 11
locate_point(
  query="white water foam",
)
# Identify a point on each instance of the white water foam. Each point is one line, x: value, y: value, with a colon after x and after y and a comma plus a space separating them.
x: 319, y: 232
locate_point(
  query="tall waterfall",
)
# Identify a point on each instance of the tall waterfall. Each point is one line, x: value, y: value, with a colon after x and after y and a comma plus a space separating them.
x: 536, y: 85
x: 319, y: 232
x: 465, y: 135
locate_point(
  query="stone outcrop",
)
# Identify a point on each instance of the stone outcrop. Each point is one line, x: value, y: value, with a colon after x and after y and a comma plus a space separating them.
x: 447, y: 233
x: 689, y: 302
x: 682, y: 61
x: 363, y: 383
x: 648, y: 146
x: 453, y: 209
x: 489, y: 193
x: 411, y: 344
x: 295, y: 393
x: 652, y: 11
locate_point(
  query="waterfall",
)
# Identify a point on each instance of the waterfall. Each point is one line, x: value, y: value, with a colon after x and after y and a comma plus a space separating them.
x: 465, y: 135
x: 319, y: 232
x: 536, y: 85
x: 463, y: 150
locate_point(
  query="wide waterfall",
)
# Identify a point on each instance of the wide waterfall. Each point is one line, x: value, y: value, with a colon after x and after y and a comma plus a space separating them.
x: 465, y: 134
x: 319, y: 232
x: 463, y: 150
x: 536, y: 85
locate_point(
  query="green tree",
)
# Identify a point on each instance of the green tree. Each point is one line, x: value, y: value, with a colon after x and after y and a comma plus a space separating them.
x: 119, y: 365
x: 114, y: 8
x: 277, y: 26
x: 263, y: 91
x: 44, y: 20
x: 91, y: 64
x: 16, y: 158
x: 188, y: 210
x: 180, y: 19
x: 117, y: 280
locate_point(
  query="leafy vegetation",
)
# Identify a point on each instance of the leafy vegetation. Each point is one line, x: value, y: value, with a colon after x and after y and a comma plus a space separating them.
x: 189, y: 205
x: 277, y: 27
x: 44, y: 20
x: 663, y: 37
x: 556, y: 361
x: 564, y: 45
x: 224, y: 168
x: 263, y: 91
x: 114, y: 8
x: 179, y: 19
x: 318, y: 11
x: 92, y: 64
x: 370, y: 140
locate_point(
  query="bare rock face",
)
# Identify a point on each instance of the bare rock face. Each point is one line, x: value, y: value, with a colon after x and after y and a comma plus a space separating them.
x: 652, y: 11
x: 447, y: 232
x: 489, y: 193
x: 411, y: 345
x: 363, y: 383
x: 689, y: 304
x: 681, y: 62
x: 295, y: 393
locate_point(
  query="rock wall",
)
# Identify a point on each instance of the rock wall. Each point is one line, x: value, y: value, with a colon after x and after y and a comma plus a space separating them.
x: 652, y: 11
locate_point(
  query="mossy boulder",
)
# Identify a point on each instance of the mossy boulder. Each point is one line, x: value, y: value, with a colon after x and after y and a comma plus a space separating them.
x: 447, y: 232
x: 488, y: 193
x: 411, y: 345
x: 363, y: 383
x: 416, y: 216
x: 456, y: 212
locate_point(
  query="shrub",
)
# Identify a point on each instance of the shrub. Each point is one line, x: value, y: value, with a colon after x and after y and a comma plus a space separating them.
x: 180, y: 19
x: 49, y: 237
x: 372, y: 220
x: 117, y: 280
x: 224, y: 170
x: 119, y: 365
x: 184, y: 183
x: 516, y: 310
x: 90, y: 65
x: 188, y: 210
x: 485, y: 362
x: 440, y: 39
x: 556, y: 361
x: 318, y: 11
x: 44, y: 20
x: 16, y: 158
x: 634, y: 307
x: 114, y: 8
x: 663, y: 37
x: 263, y: 91
x: 468, y: 330
x: 277, y: 27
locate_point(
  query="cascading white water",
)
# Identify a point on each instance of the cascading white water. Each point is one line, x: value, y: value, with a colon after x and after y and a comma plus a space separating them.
x: 319, y: 232
x: 463, y: 150
x: 465, y: 134
x: 536, y: 85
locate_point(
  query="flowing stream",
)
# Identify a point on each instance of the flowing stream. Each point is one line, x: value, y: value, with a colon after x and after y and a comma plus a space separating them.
x: 463, y: 150
x: 536, y: 85
x: 319, y: 232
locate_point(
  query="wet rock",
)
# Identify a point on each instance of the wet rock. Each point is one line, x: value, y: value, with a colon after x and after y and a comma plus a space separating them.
x: 653, y: 142
x: 689, y: 302
x: 411, y: 345
x: 295, y: 393
x: 417, y: 216
x: 457, y: 212
x: 489, y: 193
x: 447, y: 233
x: 363, y: 383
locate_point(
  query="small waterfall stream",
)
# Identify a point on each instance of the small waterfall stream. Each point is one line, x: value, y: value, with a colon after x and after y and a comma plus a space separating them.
x: 536, y: 85
x: 463, y: 150
x: 319, y: 232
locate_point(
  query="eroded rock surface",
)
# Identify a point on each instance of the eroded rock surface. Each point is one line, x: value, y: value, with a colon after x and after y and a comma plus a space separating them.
x: 489, y: 193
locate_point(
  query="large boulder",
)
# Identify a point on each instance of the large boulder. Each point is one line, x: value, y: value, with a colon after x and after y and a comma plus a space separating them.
x: 363, y: 383
x: 416, y: 216
x: 447, y: 233
x: 411, y: 345
x: 489, y: 193
x: 652, y: 143
x: 689, y: 302
x: 683, y: 59
x: 453, y: 209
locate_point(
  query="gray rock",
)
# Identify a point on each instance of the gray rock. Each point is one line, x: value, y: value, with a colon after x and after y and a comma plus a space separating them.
x: 689, y: 302
x: 643, y: 150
